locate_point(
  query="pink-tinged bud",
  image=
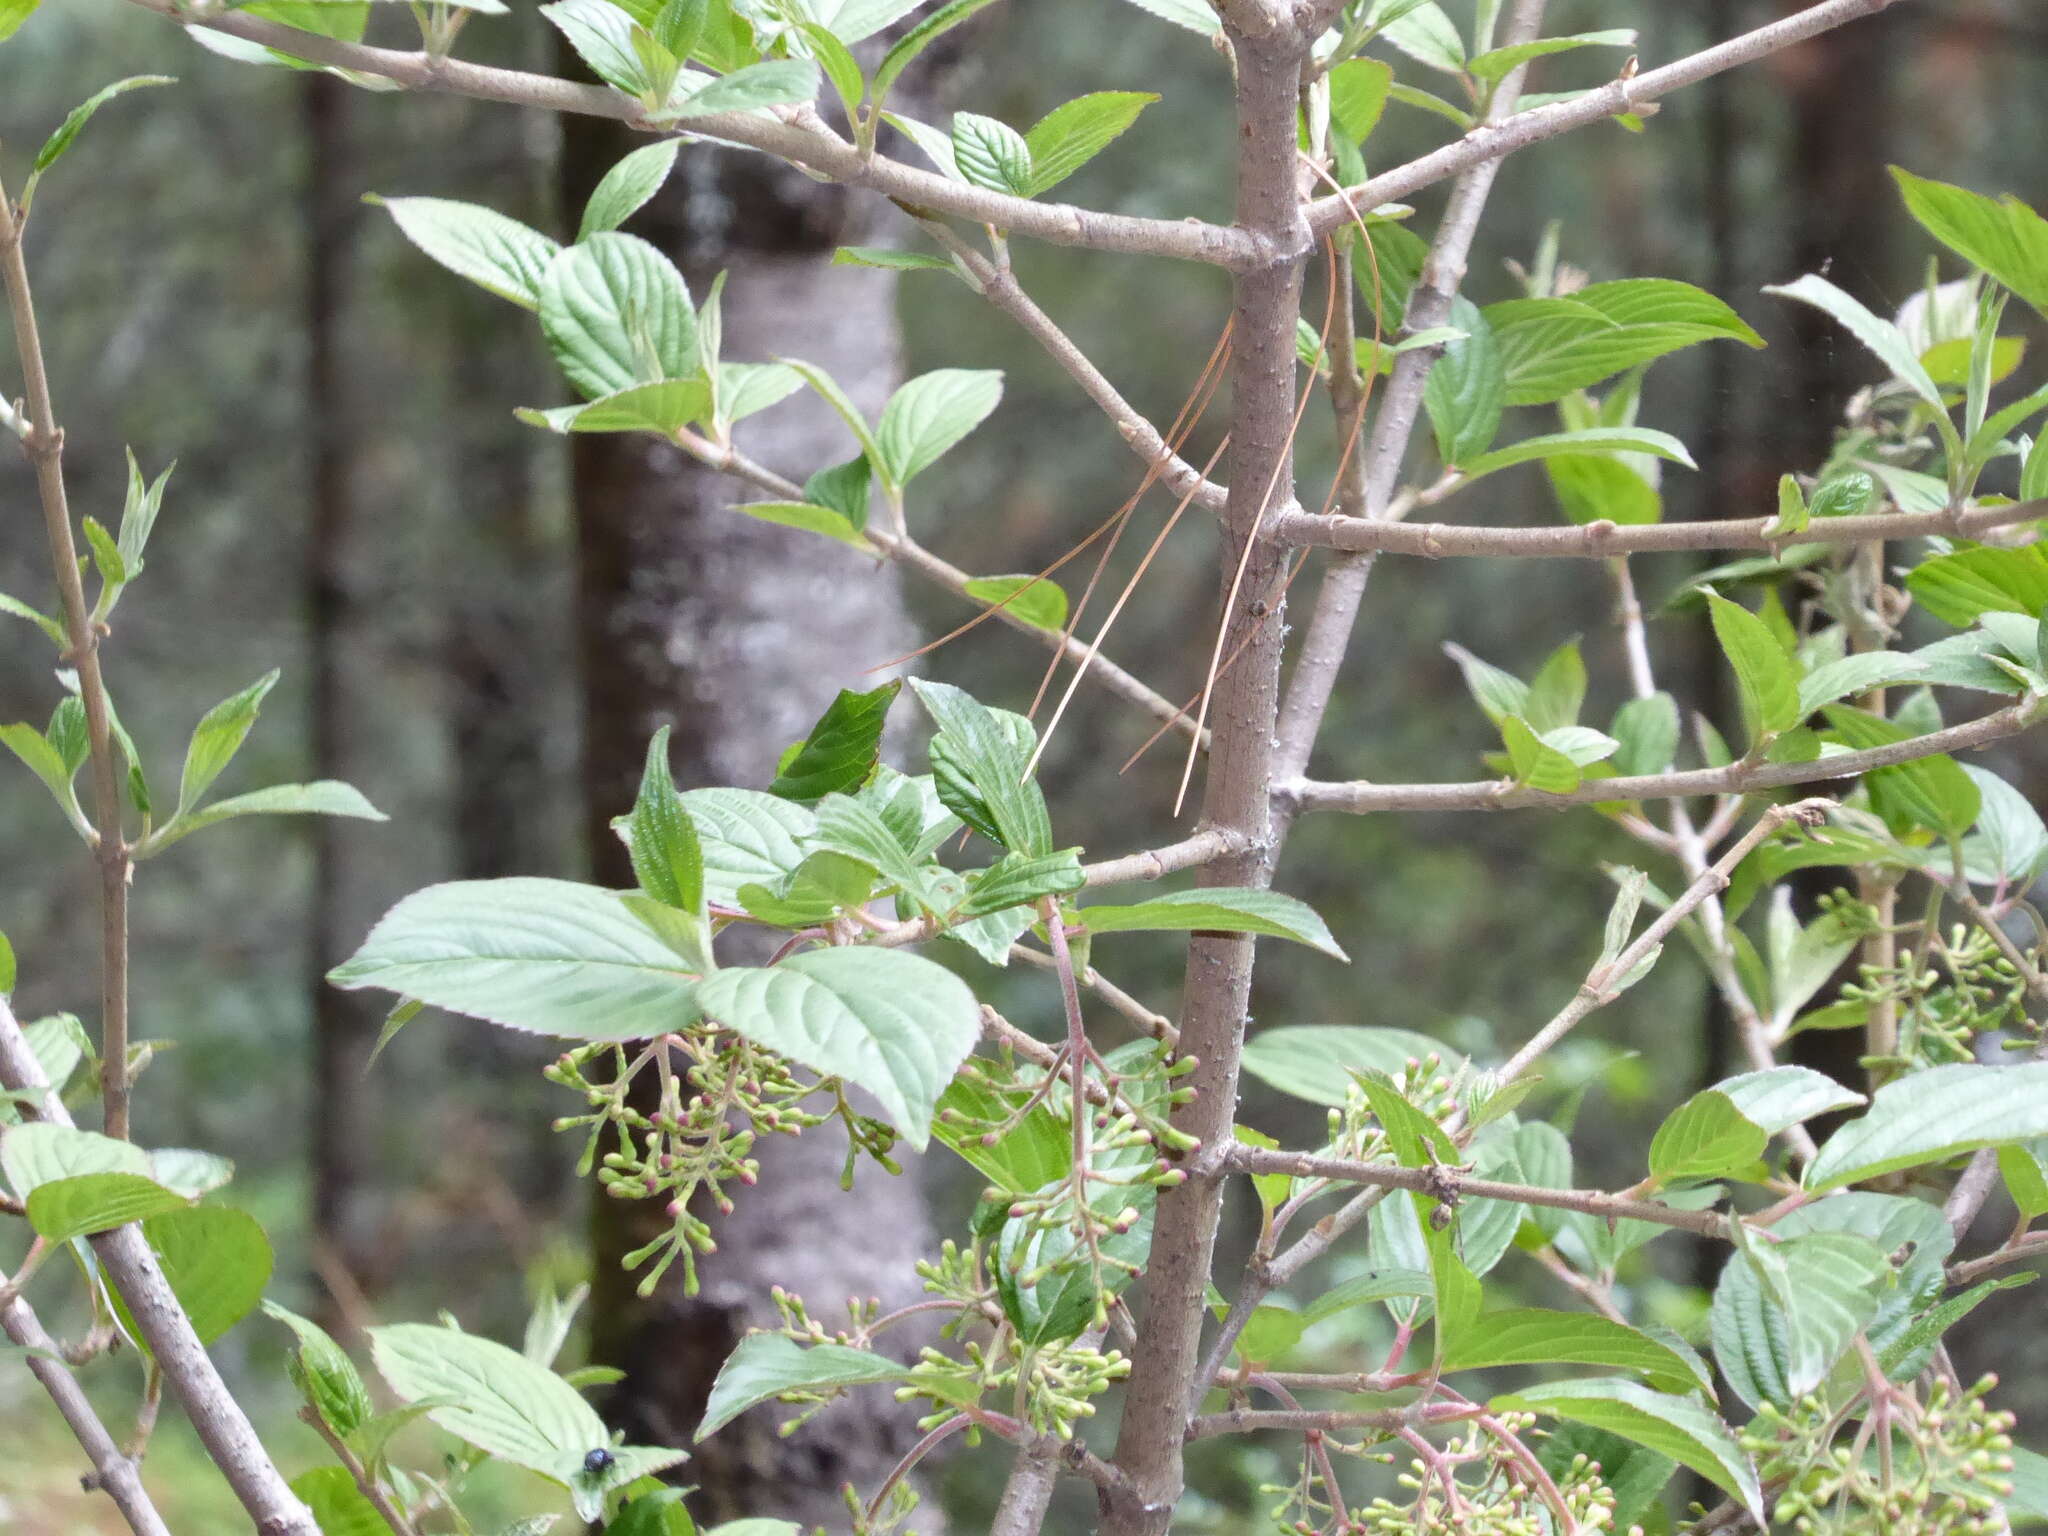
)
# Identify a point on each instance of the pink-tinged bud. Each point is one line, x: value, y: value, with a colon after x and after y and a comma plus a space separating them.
x: 724, y: 1206
x: 747, y: 1176
x: 1017, y: 1212
x: 674, y: 1209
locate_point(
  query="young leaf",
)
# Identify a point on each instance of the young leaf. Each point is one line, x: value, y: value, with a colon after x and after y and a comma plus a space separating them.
x: 1778, y: 1098
x: 765, y: 1365
x: 1071, y: 135
x: 1034, y: 599
x: 1646, y: 733
x: 748, y: 838
x: 1495, y: 63
x: 627, y: 186
x: 1934, y: 1115
x: 979, y: 766
x: 1706, y: 1137
x: 13, y: 13
x: 1766, y: 677
x: 930, y: 414
x: 323, y: 797
x: 1879, y: 335
x: 1017, y: 879
x: 1961, y: 587
x: 324, y: 1374
x: 62, y: 1209
x: 886, y: 1020
x: 1535, y: 762
x: 1588, y: 440
x: 2003, y: 236
x: 1497, y: 693
x: 1784, y: 1313
x: 1217, y: 909
x: 660, y: 837
x: 496, y: 253
x: 217, y: 1261
x: 339, y: 1506
x: 1553, y: 346
x: 57, y: 143
x: 1557, y: 691
x: 548, y: 956
x: 602, y: 35
x: 42, y: 1153
x: 1466, y: 389
x: 218, y: 737
x: 1675, y: 1426
x: 842, y: 749
x: 615, y: 314
x: 915, y: 41
x: 776, y: 83
x: 991, y: 154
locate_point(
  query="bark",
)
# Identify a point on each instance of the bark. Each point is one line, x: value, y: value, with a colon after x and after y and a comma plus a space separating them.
x: 738, y: 633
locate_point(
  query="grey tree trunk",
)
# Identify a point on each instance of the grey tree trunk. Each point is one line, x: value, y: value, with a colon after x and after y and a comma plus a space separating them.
x: 737, y: 633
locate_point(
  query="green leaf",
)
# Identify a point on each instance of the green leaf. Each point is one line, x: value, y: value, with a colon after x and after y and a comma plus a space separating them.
x: 1674, y: 1426
x: 57, y: 143
x: 1596, y: 487
x: 1551, y: 347
x: 929, y: 415
x: 838, y: 63
x: 1881, y: 336
x: 1536, y: 763
x: 991, y: 154
x: 1374, y: 1285
x: 980, y: 768
x: 1785, y: 1312
x: 1498, y: 693
x: 49, y: 626
x: 218, y: 737
x: 1217, y: 909
x: 1495, y: 63
x: 747, y: 836
x: 776, y: 83
x: 661, y: 839
x: 766, y: 1365
x: 1034, y: 599
x: 1636, y: 1475
x: 1466, y: 389
x: 615, y: 314
x: 1959, y: 588
x: 915, y: 41
x: 496, y: 253
x: 1660, y: 445
x: 2003, y: 236
x: 548, y: 956
x: 1933, y: 791
x: 1358, y: 95
x: 1317, y: 1062
x: 217, y: 1261
x: 1018, y: 878
x: 42, y: 1153
x: 602, y: 35
x: 842, y: 750
x: 2024, y: 1167
x: 627, y: 186
x: 493, y: 1398
x: 339, y: 1507
x: 45, y: 762
x: 1934, y: 1115
x: 1778, y: 1098
x: 1705, y: 1138
x: 324, y: 1374
x: 1072, y: 134
x: 660, y: 1513
x: 809, y: 518
x: 1854, y: 675
x: 888, y: 1021
x: 61, y: 1209
x: 1190, y: 14
x: 1426, y: 34
x: 13, y: 13
x: 890, y: 259
x: 1646, y: 732
x: 1031, y: 1154
x: 323, y: 797
x: 1532, y: 1336
x: 1767, y: 678
x: 1557, y: 691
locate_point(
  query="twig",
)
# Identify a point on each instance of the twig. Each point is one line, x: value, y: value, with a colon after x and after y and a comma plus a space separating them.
x: 1155, y: 1024
x: 1026, y: 1495
x: 797, y: 134
x: 1602, y: 983
x: 43, y: 442
x: 913, y: 556
x: 223, y: 1428
x: 1620, y: 96
x: 1157, y: 863
x: 367, y: 1485
x: 1240, y: 1421
x: 1361, y: 797
x: 1980, y: 1177
x: 2026, y: 1251
x: 111, y: 1470
x: 1603, y: 540
x: 1450, y: 1183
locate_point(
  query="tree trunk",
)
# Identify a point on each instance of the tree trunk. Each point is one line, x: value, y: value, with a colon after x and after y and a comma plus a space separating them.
x: 737, y: 633
x: 341, y: 1025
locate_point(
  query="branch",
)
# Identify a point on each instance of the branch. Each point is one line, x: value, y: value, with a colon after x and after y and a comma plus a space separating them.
x: 366, y: 1485
x: 1496, y: 140
x: 111, y: 1470
x: 1157, y: 1025
x: 224, y: 1430
x: 43, y: 442
x: 1362, y: 798
x: 1239, y: 1421
x: 797, y: 135
x: 2028, y: 1250
x: 1000, y: 287
x: 1155, y: 863
x: 1974, y: 1187
x: 1026, y: 1495
x: 1603, y: 539
x: 913, y: 556
x: 1450, y: 1184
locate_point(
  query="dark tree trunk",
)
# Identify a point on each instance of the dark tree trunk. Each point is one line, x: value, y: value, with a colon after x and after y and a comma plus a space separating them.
x: 737, y: 633
x: 340, y: 1025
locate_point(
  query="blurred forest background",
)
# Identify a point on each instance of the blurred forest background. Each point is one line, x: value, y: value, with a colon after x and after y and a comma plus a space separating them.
x: 479, y: 627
